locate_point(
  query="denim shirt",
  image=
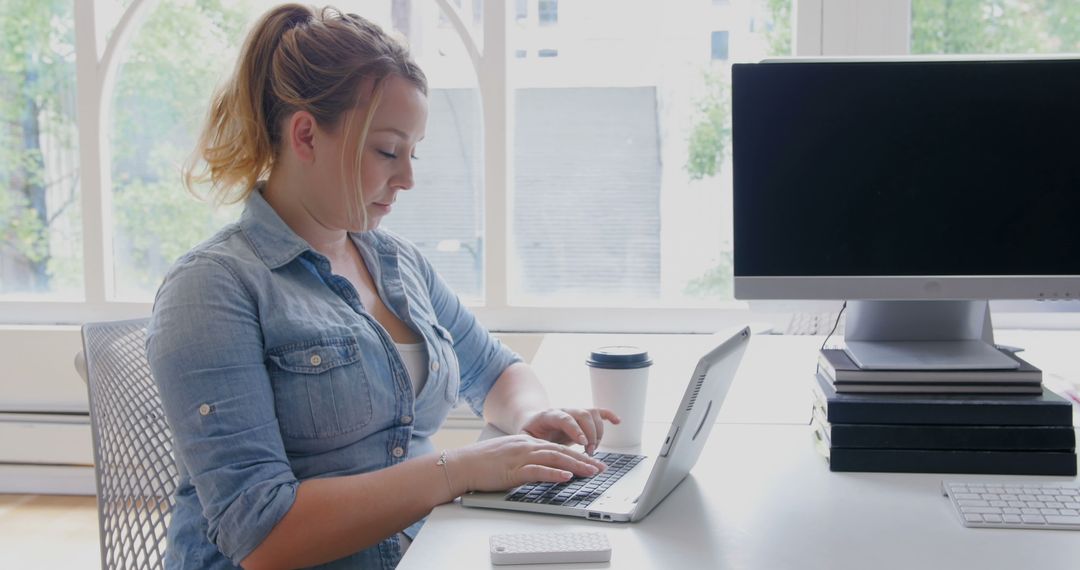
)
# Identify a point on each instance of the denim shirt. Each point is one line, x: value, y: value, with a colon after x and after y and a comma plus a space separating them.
x: 272, y: 372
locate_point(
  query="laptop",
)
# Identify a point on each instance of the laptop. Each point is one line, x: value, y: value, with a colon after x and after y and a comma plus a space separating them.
x: 634, y: 484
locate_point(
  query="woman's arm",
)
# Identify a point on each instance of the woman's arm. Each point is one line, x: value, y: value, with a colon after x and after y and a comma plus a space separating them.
x: 516, y: 395
x: 517, y: 403
x: 498, y: 385
x: 336, y: 516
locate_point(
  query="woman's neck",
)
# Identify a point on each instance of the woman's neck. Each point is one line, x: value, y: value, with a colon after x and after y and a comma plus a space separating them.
x: 279, y: 191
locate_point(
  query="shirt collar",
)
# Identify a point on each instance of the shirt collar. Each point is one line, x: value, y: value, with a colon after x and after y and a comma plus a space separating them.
x: 272, y: 239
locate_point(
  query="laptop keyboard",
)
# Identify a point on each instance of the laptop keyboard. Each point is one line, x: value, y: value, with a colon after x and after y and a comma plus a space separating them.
x: 579, y: 491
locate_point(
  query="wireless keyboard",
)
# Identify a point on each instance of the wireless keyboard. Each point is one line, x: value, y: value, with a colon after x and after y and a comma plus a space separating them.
x: 1016, y: 505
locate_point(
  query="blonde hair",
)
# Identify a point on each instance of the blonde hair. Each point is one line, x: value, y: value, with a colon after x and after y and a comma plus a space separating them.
x: 295, y: 58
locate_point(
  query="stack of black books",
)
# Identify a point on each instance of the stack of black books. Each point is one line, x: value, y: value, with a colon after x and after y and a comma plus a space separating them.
x: 966, y: 421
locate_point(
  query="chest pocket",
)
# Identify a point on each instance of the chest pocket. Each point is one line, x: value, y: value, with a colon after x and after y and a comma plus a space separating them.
x: 320, y: 388
x: 447, y: 362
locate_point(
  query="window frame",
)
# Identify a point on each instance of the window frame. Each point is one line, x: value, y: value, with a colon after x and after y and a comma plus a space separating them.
x: 820, y: 28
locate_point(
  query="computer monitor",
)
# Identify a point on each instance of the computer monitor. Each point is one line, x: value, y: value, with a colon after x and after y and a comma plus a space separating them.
x: 917, y: 189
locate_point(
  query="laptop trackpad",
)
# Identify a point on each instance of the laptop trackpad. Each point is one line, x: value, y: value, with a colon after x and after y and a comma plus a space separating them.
x: 625, y: 492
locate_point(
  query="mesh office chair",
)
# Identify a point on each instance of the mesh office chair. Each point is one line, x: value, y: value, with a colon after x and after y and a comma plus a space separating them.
x: 133, y: 447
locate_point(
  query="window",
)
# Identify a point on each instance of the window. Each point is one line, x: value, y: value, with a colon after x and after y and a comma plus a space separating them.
x: 618, y: 151
x: 548, y: 12
x: 41, y: 243
x: 159, y: 100
x: 622, y: 181
x: 720, y: 45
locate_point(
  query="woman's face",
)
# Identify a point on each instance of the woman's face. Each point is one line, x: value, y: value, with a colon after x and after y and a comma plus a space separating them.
x: 386, y: 162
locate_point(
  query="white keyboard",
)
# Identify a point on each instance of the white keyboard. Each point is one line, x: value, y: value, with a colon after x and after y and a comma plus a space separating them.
x: 813, y: 324
x: 1016, y: 505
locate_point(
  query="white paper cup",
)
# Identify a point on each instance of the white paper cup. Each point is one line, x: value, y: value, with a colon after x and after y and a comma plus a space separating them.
x: 619, y: 376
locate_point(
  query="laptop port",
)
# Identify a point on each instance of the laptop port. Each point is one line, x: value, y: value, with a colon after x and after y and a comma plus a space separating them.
x: 594, y: 516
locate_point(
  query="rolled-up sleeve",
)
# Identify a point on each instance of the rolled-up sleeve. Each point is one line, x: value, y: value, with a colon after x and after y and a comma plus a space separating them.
x: 481, y: 356
x: 205, y: 347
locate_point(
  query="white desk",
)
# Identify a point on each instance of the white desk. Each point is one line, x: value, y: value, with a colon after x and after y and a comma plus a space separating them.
x: 774, y: 504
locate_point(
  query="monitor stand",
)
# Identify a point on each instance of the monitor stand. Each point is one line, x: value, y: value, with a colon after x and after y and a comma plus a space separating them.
x: 923, y: 335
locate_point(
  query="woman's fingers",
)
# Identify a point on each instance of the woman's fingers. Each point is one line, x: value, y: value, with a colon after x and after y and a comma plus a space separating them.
x: 540, y: 473
x: 574, y: 454
x: 609, y: 415
x: 572, y: 427
x: 582, y: 467
x: 598, y: 422
x: 587, y: 423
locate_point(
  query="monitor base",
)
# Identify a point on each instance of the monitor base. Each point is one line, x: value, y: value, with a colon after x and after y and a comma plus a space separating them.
x: 923, y: 335
x: 928, y: 355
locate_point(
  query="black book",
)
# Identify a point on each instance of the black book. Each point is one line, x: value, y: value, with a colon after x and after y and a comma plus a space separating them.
x: 985, y: 438
x: 947, y: 460
x: 838, y: 367
x: 1045, y: 409
x: 936, y: 388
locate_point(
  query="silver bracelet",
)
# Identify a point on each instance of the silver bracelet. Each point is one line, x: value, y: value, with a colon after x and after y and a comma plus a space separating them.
x: 446, y: 471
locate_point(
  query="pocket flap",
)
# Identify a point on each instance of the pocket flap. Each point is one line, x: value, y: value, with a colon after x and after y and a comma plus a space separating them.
x: 317, y: 356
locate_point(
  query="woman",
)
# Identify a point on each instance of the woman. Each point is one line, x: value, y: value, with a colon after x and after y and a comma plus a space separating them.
x: 305, y: 356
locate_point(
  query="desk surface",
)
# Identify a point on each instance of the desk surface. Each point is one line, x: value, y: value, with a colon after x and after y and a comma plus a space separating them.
x: 761, y: 496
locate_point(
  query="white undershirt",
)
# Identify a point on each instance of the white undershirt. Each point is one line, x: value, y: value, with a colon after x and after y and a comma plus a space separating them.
x: 415, y: 358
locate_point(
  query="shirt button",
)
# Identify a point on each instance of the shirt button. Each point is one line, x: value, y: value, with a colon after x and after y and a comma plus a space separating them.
x: 204, y: 410
x: 316, y: 360
x: 398, y: 452
x: 435, y: 366
x: 406, y: 419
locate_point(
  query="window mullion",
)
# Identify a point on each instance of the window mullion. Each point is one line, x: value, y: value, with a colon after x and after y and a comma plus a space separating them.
x: 88, y: 83
x: 498, y: 109
x: 864, y: 27
x: 806, y: 27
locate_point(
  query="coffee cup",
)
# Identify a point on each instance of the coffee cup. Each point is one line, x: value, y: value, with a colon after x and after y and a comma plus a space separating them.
x: 619, y: 378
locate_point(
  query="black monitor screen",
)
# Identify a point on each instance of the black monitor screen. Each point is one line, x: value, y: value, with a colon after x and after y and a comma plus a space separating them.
x: 908, y: 168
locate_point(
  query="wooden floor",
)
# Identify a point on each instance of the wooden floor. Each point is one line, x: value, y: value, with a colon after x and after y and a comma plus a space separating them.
x: 48, y: 531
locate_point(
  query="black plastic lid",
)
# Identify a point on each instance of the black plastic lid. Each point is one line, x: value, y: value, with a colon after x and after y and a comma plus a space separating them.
x: 619, y: 357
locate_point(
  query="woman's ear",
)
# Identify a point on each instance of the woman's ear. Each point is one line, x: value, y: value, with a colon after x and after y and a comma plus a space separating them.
x: 300, y: 130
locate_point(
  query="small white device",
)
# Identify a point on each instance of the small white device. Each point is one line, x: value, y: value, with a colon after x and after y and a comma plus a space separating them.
x: 549, y: 548
x: 1011, y: 504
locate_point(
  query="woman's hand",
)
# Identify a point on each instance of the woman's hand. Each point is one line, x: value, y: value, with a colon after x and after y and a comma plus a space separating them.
x: 501, y: 463
x: 570, y: 425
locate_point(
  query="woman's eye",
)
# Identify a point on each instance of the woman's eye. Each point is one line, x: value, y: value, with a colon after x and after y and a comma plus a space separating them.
x: 394, y: 156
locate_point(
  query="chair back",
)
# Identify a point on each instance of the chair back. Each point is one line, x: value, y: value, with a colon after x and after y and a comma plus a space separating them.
x: 135, y: 470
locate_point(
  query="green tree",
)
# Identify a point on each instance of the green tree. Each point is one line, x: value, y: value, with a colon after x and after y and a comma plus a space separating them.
x: 183, y: 50
x: 994, y: 26
x: 710, y: 139
x: 778, y: 29
x: 711, y: 133
x: 165, y: 82
x: 37, y: 113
